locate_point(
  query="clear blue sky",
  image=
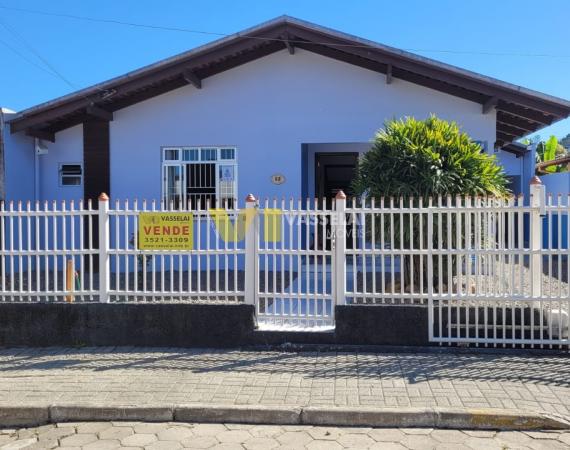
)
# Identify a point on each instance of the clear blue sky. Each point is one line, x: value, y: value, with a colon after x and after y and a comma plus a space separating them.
x: 458, y: 32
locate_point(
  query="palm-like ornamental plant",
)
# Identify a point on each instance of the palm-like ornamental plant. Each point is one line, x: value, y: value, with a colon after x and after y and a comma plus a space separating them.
x: 413, y: 159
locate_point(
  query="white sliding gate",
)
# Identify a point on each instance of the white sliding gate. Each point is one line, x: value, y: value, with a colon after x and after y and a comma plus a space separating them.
x: 491, y: 271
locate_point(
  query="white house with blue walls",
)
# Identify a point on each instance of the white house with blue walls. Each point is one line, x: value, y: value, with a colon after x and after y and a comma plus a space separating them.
x: 279, y: 110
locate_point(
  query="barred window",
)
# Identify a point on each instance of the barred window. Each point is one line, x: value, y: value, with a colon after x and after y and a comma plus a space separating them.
x: 196, y: 177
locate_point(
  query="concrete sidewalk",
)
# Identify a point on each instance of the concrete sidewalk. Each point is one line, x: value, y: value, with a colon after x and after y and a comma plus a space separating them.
x: 155, y: 377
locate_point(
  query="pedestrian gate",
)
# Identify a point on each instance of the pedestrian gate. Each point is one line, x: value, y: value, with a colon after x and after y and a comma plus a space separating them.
x: 295, y: 264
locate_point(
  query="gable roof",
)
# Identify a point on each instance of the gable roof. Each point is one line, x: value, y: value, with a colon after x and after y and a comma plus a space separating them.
x: 520, y: 111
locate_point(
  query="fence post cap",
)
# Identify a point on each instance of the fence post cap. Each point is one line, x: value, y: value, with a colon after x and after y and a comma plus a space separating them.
x: 103, y: 197
x: 340, y: 195
x: 535, y: 181
x: 250, y: 198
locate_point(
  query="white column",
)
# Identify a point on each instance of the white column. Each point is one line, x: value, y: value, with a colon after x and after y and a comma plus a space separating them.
x: 339, y: 244
x: 104, y: 266
x: 537, y: 203
x: 251, y: 236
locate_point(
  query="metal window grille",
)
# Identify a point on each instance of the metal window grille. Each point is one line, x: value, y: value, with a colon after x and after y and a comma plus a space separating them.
x: 199, y: 177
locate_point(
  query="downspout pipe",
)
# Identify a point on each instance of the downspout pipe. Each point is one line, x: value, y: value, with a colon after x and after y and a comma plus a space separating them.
x: 2, y: 170
x: 36, y: 170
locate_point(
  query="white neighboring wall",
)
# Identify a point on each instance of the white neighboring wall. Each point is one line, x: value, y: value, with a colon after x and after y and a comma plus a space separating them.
x: 18, y: 164
x: 21, y: 162
x: 557, y: 184
x: 67, y: 149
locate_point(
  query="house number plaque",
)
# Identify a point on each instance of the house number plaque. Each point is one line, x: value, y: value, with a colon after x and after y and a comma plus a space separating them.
x: 278, y: 178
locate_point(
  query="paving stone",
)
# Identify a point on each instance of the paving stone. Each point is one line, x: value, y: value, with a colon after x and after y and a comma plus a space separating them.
x: 564, y: 438
x: 5, y: 438
x: 47, y: 444
x: 386, y: 435
x: 26, y: 433
x: 476, y: 443
x: 227, y: 446
x: 387, y: 446
x: 233, y: 436
x: 325, y: 433
x: 139, y: 440
x: 451, y: 446
x: 115, y: 432
x: 543, y: 444
x: 103, y: 444
x: 125, y: 424
x: 514, y: 437
x: 92, y: 427
x: 480, y: 433
x: 150, y: 428
x: 419, y: 442
x: 352, y: 440
x: 420, y: 431
x: 208, y: 429
x: 19, y: 444
x: 356, y: 430
x: 299, y: 427
x: 200, y: 442
x: 239, y: 426
x: 164, y: 445
x: 56, y: 433
x: 543, y: 434
x: 324, y: 445
x: 78, y: 439
x: 175, y: 433
x: 449, y: 436
x: 266, y: 431
x: 260, y: 443
x: 294, y: 438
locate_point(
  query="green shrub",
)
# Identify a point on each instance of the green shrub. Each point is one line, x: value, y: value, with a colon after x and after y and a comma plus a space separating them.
x: 427, y: 158
x: 413, y: 159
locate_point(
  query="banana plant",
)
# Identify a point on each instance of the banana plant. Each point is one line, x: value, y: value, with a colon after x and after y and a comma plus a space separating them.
x: 549, y: 151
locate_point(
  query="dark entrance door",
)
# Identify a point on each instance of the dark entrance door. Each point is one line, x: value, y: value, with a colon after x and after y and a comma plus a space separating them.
x: 333, y: 172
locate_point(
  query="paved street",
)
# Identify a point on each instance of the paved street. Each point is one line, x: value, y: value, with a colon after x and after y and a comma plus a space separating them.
x: 165, y: 436
x: 129, y: 376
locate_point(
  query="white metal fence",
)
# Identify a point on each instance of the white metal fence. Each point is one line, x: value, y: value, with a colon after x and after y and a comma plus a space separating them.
x: 37, y: 241
x: 490, y: 271
x: 212, y: 271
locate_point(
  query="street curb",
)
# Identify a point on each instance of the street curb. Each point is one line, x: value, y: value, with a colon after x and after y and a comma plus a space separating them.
x: 258, y: 414
x: 472, y: 419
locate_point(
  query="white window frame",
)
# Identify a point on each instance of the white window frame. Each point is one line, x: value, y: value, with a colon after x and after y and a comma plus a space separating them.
x: 61, y: 175
x: 181, y: 163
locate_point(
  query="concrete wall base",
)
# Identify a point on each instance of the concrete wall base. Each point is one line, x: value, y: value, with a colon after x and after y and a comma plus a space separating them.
x: 197, y: 325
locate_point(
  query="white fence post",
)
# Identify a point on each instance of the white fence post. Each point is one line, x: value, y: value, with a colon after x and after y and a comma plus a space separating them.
x: 429, y: 262
x: 251, y: 235
x: 538, y: 204
x: 339, y: 242
x: 104, y: 266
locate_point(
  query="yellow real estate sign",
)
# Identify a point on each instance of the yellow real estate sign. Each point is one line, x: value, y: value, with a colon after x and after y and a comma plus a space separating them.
x: 165, y: 231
